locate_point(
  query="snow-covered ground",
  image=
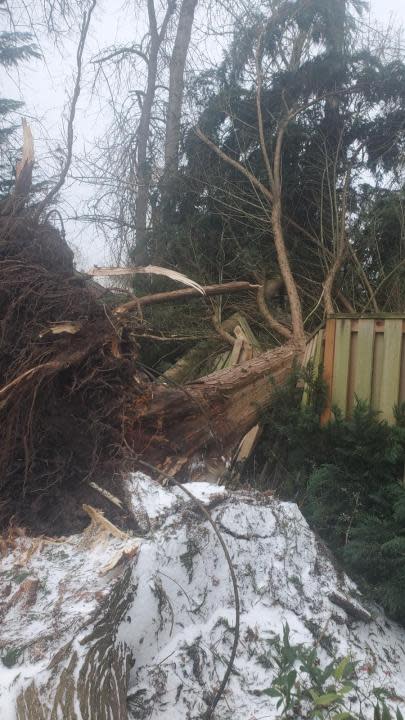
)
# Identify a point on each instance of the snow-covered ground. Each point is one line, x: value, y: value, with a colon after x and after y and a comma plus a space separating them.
x: 73, y: 612
x: 180, y: 624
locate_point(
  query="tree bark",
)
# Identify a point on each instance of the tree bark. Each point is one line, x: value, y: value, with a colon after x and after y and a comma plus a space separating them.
x: 209, y: 415
x: 185, y: 294
x: 176, y: 86
x: 143, y: 171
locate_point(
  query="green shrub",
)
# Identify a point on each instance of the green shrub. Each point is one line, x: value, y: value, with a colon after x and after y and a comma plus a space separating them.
x: 347, y: 477
x: 303, y: 688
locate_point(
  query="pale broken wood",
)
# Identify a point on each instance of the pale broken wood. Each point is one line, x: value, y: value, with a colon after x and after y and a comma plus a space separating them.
x: 248, y: 444
x: 23, y: 173
x: 27, y: 157
x: 242, y: 351
x: 58, y: 328
x: 97, y: 517
x: 109, y: 496
x: 146, y: 270
x: 121, y: 557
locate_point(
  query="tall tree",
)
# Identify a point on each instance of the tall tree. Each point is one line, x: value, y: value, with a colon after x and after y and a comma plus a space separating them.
x: 139, y: 155
x: 176, y: 85
x: 289, y: 126
x: 143, y: 165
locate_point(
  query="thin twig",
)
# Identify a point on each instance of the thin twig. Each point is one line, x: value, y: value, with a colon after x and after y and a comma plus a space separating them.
x: 73, y: 105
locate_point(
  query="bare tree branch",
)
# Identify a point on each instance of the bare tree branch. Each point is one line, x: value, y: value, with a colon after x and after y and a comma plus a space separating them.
x: 73, y: 105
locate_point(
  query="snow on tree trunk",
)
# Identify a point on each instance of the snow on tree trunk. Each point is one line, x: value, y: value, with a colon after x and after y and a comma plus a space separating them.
x: 62, y: 603
x: 183, y: 618
x: 110, y: 627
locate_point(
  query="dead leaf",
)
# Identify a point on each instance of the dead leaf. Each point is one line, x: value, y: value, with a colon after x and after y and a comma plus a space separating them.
x: 66, y: 327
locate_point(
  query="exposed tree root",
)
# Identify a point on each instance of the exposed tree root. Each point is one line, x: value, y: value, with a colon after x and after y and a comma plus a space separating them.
x: 61, y: 395
x: 74, y: 400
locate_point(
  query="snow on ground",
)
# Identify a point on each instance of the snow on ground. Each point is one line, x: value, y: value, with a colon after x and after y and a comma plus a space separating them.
x: 73, y: 611
x: 180, y: 624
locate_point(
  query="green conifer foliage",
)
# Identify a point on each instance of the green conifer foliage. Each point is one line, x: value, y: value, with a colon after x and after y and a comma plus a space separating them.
x: 348, y: 477
x: 15, y: 47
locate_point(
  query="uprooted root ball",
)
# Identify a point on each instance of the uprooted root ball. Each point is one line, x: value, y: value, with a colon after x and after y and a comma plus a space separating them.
x: 66, y: 374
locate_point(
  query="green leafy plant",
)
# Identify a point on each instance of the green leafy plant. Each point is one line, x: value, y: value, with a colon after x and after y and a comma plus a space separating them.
x: 303, y: 688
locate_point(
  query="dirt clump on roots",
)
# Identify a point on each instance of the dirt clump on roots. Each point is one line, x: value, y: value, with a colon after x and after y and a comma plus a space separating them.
x: 68, y: 381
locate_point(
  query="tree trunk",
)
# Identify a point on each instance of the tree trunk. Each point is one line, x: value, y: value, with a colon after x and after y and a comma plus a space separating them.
x: 60, y: 625
x: 176, y: 85
x: 209, y: 415
x: 143, y: 170
x: 163, y: 213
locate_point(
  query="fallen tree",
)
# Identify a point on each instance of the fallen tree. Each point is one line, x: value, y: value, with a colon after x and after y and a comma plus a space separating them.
x: 210, y: 414
x: 74, y: 400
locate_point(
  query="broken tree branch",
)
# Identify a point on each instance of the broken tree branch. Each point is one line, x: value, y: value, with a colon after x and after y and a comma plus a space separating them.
x: 185, y: 294
x: 23, y: 174
x: 271, y: 321
x: 146, y: 270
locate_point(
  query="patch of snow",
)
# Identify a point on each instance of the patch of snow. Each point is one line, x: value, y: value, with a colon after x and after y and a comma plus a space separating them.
x: 180, y: 622
x: 51, y: 592
x: 148, y: 497
x: 180, y: 625
x: 204, y: 492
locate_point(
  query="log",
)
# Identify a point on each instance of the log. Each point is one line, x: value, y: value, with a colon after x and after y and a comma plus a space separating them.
x: 185, y: 294
x: 210, y: 415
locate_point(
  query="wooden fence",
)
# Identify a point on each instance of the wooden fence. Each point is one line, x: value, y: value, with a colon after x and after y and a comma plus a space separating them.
x: 362, y: 357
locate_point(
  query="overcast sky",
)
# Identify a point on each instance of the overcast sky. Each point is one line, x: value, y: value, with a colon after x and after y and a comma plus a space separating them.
x: 46, y: 86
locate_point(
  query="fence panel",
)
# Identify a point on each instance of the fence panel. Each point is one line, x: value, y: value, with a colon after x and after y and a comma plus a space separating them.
x: 362, y: 358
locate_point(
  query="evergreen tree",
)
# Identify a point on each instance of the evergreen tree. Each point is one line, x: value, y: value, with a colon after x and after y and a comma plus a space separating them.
x: 350, y: 124
x: 348, y: 479
x: 15, y: 47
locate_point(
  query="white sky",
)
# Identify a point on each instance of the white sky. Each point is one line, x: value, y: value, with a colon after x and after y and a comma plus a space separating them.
x: 45, y: 88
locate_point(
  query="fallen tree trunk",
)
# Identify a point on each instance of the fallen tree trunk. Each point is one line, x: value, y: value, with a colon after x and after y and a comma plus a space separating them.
x: 58, y: 640
x: 209, y: 415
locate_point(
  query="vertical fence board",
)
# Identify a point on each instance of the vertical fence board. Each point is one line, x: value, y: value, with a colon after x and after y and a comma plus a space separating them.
x: 364, y: 361
x: 352, y: 371
x: 328, y: 365
x: 341, y: 363
x: 389, y: 391
x: 402, y: 374
x: 378, y: 361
